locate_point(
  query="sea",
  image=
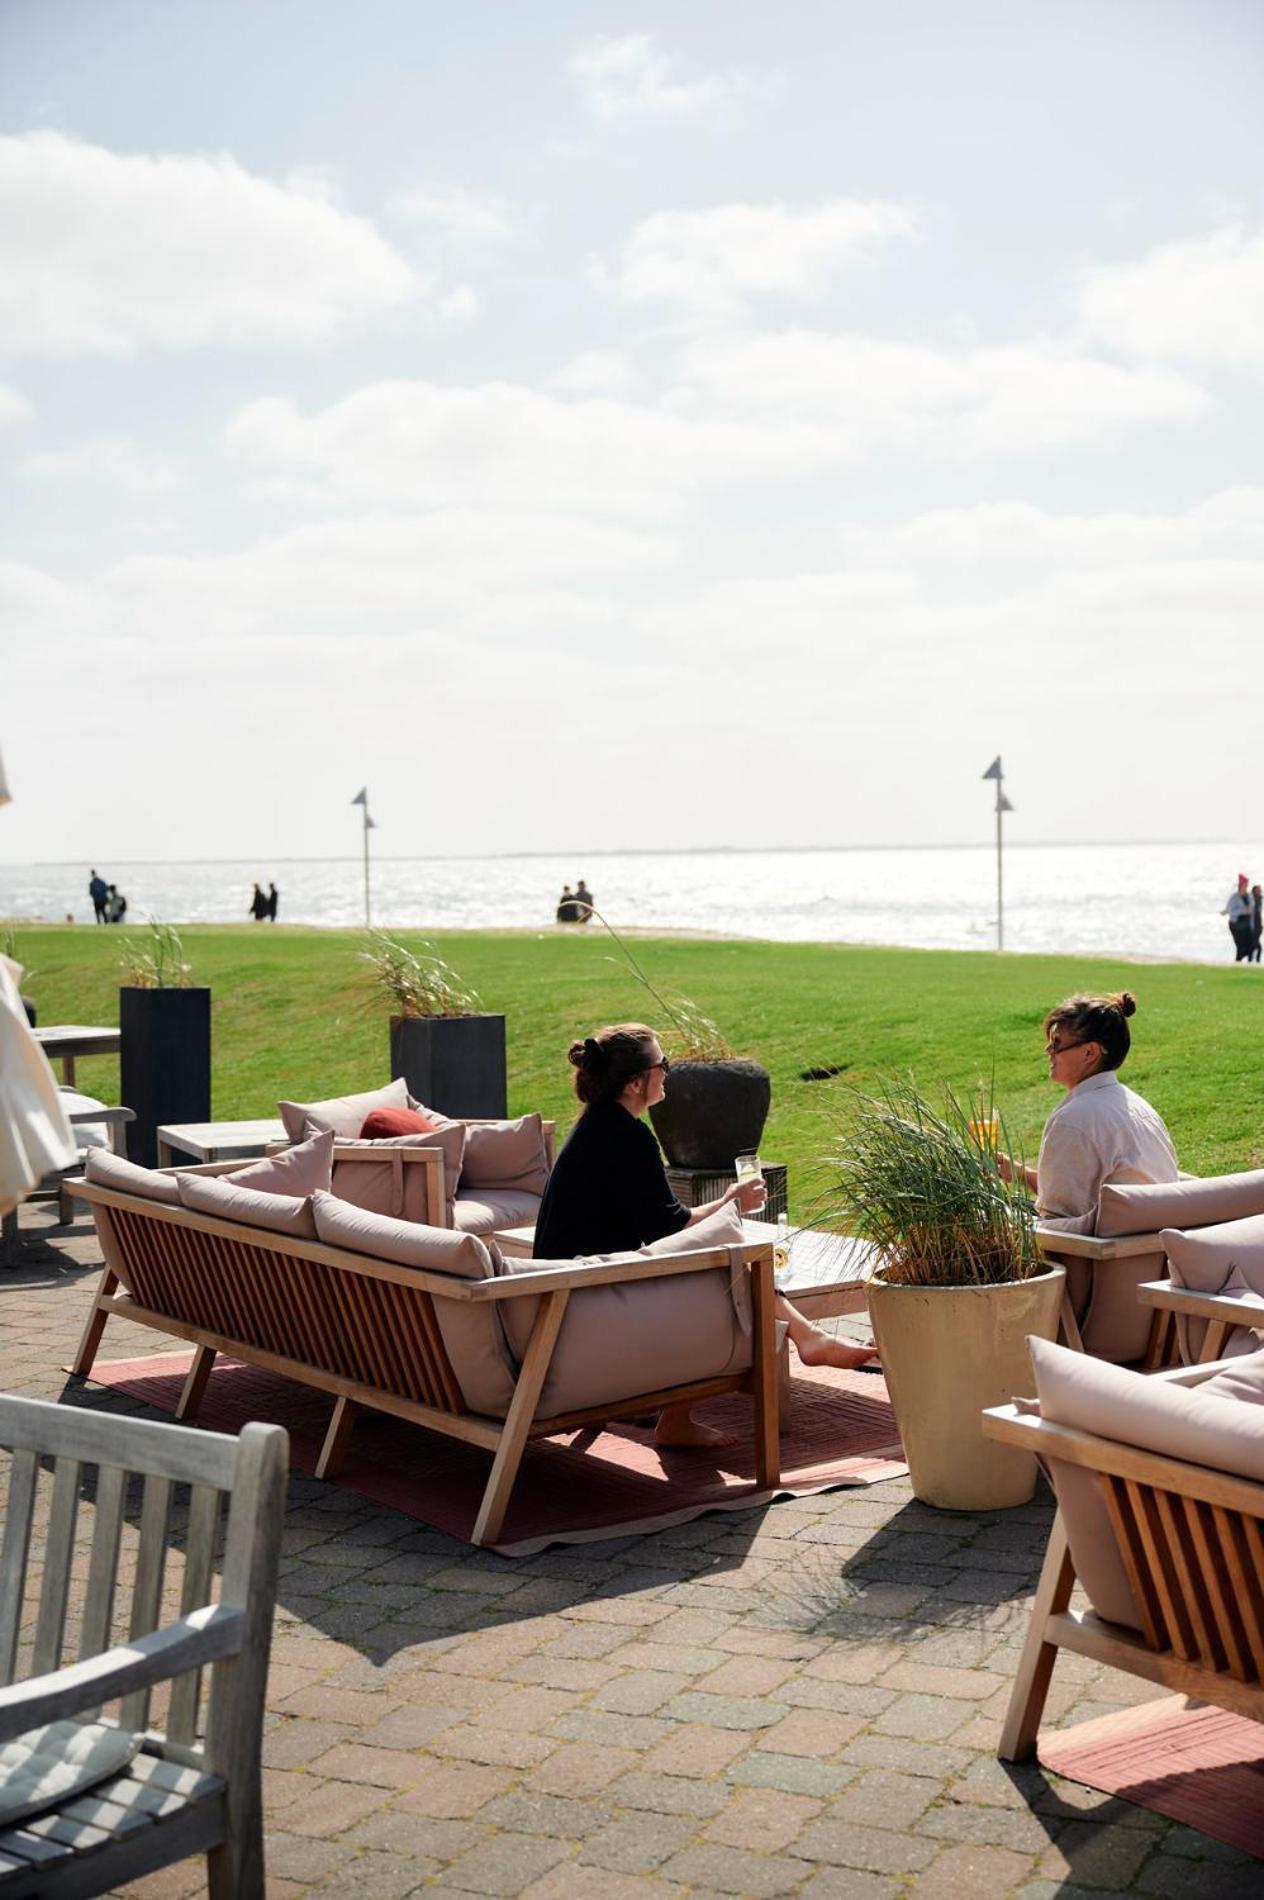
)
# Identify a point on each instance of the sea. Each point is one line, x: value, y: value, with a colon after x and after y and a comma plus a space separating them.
x: 1150, y: 901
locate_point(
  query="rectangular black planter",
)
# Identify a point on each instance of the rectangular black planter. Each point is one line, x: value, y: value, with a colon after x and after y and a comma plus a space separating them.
x: 453, y: 1063
x: 164, y: 1063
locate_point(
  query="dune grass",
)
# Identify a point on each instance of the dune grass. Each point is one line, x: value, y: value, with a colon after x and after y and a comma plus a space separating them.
x: 294, y: 1014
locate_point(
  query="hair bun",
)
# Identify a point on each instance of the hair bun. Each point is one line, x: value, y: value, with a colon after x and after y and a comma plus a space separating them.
x: 575, y: 1055
x: 1127, y: 1003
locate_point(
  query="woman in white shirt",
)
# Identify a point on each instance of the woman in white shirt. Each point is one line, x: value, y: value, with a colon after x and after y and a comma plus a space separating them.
x: 1103, y: 1132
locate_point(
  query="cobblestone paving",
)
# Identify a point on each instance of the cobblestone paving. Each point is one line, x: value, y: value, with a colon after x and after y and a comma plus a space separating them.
x: 804, y: 1700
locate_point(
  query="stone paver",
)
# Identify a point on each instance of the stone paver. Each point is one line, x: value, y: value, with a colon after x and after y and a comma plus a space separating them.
x: 800, y: 1701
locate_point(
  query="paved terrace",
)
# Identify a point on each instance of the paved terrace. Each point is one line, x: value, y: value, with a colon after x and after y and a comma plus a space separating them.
x: 803, y: 1700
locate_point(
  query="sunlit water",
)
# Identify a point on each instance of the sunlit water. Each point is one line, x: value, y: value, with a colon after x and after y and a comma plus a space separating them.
x: 1152, y: 900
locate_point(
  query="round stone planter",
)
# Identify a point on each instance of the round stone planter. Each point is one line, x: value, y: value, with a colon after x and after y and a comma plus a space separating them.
x: 712, y: 1112
x: 947, y: 1352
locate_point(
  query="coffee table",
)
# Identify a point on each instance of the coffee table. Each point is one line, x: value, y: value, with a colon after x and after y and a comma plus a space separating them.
x: 62, y: 1042
x: 217, y: 1141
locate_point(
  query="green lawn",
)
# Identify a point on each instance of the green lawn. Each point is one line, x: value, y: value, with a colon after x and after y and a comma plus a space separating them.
x: 293, y: 1016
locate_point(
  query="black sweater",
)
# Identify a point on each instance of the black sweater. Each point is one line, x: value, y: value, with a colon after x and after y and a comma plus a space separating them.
x: 608, y: 1191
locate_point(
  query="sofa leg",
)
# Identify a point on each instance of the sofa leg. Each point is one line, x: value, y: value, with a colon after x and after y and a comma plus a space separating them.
x: 1068, y: 1326
x: 765, y: 1376
x: 518, y: 1419
x: 337, y: 1438
x: 91, y: 1341
x: 195, y: 1383
x: 1031, y: 1684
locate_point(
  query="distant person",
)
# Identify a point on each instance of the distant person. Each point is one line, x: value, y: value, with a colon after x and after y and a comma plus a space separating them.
x: 115, y: 905
x: 566, y: 906
x: 1257, y: 922
x: 271, y: 901
x: 99, y: 891
x: 258, y: 905
x: 1238, y: 911
x: 585, y: 902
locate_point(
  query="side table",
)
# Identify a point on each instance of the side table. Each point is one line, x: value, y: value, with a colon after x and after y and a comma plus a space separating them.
x: 694, y: 1187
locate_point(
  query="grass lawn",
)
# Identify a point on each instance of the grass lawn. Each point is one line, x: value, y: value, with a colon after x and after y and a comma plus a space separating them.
x: 293, y: 1016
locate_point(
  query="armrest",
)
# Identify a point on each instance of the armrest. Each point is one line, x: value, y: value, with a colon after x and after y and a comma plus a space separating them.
x: 1052, y: 1241
x: 203, y: 1636
x: 530, y: 1284
x: 1235, y: 1309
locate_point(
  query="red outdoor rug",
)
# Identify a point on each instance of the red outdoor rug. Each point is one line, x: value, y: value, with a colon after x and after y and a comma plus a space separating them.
x: 1188, y: 1760
x: 571, y: 1489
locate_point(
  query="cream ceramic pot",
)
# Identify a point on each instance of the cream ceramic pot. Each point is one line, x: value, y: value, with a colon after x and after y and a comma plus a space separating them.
x: 947, y: 1352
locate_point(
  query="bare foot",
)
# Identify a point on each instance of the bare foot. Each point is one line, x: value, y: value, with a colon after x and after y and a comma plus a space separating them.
x: 677, y: 1428
x: 822, y: 1349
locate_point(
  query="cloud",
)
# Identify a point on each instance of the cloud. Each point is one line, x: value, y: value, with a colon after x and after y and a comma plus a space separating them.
x: 628, y: 79
x: 117, y: 462
x: 711, y: 261
x: 595, y: 373
x: 1201, y: 302
x: 109, y: 253
x: 13, y: 407
x: 876, y: 397
x: 460, y: 217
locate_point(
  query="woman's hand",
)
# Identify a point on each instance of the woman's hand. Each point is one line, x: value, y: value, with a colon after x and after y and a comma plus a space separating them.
x: 749, y: 1195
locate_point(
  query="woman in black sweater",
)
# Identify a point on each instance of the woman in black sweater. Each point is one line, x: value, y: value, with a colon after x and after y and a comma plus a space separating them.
x: 609, y: 1193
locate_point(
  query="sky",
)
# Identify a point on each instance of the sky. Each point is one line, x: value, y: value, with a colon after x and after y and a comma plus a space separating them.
x: 605, y: 427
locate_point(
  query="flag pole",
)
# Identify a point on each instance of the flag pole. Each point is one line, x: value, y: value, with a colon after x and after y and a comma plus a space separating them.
x: 362, y: 799
x: 1003, y: 805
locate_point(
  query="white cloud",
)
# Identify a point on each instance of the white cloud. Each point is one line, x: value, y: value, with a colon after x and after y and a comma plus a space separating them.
x: 595, y: 373
x: 1201, y: 302
x: 106, y: 253
x: 460, y: 216
x: 710, y: 261
x: 115, y: 461
x: 876, y: 397
x: 13, y: 407
x: 629, y: 78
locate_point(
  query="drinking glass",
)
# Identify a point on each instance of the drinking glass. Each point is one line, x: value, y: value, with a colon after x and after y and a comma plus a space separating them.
x: 748, y: 1168
x: 987, y: 1133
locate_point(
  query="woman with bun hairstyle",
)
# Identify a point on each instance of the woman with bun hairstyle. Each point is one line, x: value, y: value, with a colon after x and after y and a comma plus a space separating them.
x: 609, y: 1192
x: 1103, y: 1133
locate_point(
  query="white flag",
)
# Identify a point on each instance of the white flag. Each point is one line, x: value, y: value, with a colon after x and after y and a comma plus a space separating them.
x: 994, y: 770
x: 362, y: 796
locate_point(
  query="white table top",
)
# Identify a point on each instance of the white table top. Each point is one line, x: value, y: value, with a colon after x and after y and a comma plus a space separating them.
x: 77, y: 1039
x: 221, y: 1138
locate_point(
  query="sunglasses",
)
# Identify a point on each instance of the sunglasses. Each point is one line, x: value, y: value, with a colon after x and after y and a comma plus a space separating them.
x: 663, y: 1063
x: 1060, y: 1048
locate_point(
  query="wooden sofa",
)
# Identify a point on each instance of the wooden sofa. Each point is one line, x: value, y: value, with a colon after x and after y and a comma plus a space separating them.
x: 370, y: 1332
x: 1189, y: 1540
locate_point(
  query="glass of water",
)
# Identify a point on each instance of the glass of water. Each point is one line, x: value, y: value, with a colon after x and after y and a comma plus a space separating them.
x: 748, y: 1168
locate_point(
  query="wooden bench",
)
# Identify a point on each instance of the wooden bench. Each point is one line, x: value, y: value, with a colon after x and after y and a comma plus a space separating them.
x: 365, y: 1330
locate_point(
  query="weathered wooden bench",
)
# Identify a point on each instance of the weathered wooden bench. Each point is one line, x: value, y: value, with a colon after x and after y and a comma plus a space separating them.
x: 366, y: 1330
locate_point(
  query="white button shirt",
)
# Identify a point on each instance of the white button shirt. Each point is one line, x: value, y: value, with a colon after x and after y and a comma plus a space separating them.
x: 1102, y: 1133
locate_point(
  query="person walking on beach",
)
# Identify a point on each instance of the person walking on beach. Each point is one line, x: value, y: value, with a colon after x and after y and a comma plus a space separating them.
x: 566, y: 906
x: 98, y: 891
x: 585, y: 903
x: 270, y: 902
x: 1238, y: 911
x: 115, y: 905
x: 258, y: 905
x: 1257, y: 922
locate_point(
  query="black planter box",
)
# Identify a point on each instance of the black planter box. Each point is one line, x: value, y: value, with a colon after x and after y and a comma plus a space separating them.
x: 453, y: 1063
x: 164, y: 1063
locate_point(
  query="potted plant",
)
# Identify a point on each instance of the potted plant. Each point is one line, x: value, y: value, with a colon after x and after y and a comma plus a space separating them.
x: 716, y: 1102
x: 960, y: 1286
x: 449, y: 1050
x: 165, y: 1040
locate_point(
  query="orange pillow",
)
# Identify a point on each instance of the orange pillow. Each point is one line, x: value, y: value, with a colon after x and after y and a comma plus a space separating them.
x: 383, y: 1124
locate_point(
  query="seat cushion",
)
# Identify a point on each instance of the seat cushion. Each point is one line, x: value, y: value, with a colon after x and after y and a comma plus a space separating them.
x: 343, y: 1115
x: 296, y: 1171
x: 374, y: 1174
x: 1227, y: 1258
x: 1192, y: 1425
x: 643, y: 1336
x: 50, y: 1765
x: 501, y: 1154
x: 1242, y: 1381
x: 113, y: 1171
x: 488, y: 1210
x: 224, y: 1200
x: 1144, y: 1207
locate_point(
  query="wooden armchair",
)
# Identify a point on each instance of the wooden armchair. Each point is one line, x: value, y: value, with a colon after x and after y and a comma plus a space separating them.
x: 1088, y: 1256
x: 1191, y: 1542
x: 1221, y: 1316
x: 176, y: 1796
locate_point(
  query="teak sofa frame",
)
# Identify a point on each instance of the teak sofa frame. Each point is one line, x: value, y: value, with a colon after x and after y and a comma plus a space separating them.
x: 1099, y: 1250
x: 1223, y: 1312
x: 1191, y: 1540
x: 365, y: 1329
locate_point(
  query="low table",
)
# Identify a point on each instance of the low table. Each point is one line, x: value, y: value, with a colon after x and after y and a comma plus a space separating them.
x: 62, y: 1042
x: 217, y: 1141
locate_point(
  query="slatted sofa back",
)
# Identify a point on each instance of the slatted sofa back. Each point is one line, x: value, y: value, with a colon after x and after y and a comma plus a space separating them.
x: 359, y: 1319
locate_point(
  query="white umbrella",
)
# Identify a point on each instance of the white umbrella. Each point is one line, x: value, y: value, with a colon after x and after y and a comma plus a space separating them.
x: 35, y: 1137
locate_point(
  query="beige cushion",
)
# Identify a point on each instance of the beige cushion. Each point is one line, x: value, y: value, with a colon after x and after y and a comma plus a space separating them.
x: 644, y: 1336
x: 1229, y: 1259
x: 472, y: 1335
x: 490, y: 1209
x: 343, y: 1115
x: 49, y: 1765
x: 112, y: 1171
x: 222, y: 1198
x: 1088, y: 1395
x: 1243, y: 1381
x: 1146, y: 1206
x: 378, y: 1178
x: 509, y: 1154
x: 296, y: 1171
